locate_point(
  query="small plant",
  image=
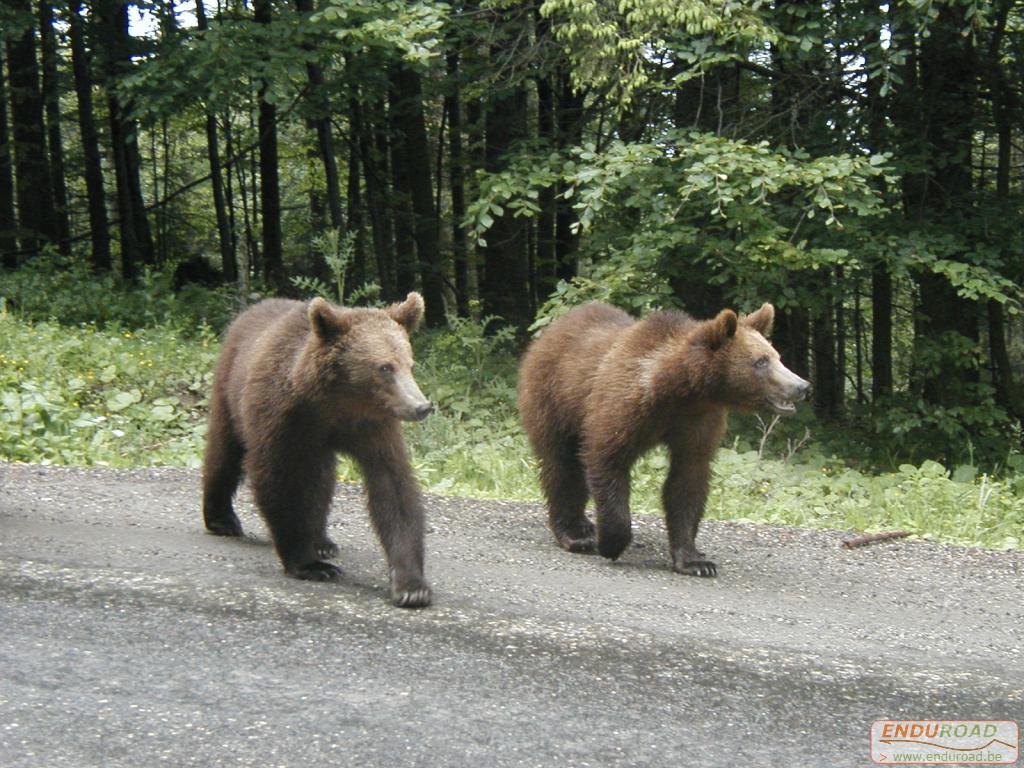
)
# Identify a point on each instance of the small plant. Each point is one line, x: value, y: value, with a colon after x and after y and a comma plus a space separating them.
x: 338, y: 251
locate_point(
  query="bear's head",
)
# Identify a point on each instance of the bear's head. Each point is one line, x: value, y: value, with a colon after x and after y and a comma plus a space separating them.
x: 362, y: 358
x: 746, y: 372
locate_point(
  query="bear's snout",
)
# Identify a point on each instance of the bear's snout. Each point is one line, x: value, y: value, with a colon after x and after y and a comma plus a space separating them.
x: 407, y: 402
x: 801, y: 390
x: 788, y: 389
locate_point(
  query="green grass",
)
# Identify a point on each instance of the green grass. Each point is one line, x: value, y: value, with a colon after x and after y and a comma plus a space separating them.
x: 85, y: 395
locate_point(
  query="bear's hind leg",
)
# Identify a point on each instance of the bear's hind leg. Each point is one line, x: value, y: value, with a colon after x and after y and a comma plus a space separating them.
x: 565, y: 488
x: 222, y: 471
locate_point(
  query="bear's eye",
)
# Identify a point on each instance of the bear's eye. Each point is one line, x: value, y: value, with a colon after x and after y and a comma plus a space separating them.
x: 762, y: 362
x: 387, y: 368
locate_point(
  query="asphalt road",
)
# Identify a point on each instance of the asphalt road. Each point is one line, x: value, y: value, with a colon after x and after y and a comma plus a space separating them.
x: 129, y: 637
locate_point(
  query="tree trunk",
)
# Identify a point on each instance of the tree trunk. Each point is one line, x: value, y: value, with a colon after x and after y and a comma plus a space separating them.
x: 32, y: 171
x: 8, y: 224
x: 505, y: 286
x: 505, y: 289
x: 374, y: 198
x: 944, y: 123
x: 355, y: 214
x: 270, y: 189
x: 82, y: 70
x: 827, y: 377
x: 113, y: 36
x: 1004, y: 103
x: 322, y: 124
x: 229, y: 265
x: 544, y: 271
x: 546, y: 262
x: 51, y: 102
x: 792, y: 339
x: 569, y: 133
x: 456, y: 162
x: 881, y: 331
x: 881, y: 275
x: 414, y: 157
x: 401, y: 190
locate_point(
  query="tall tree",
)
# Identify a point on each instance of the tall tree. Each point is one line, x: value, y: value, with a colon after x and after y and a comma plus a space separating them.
x: 414, y: 156
x: 457, y: 183
x: 799, y: 97
x: 373, y: 174
x: 942, y: 133
x: 321, y: 121
x: 8, y: 224
x: 51, y: 101
x: 1005, y: 107
x: 225, y: 234
x: 270, y: 187
x: 504, y: 289
x: 32, y: 171
x: 82, y: 70
x: 877, y: 140
x: 114, y: 39
x: 391, y: 148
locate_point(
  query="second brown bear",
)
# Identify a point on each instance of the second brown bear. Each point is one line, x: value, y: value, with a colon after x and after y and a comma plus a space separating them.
x: 599, y: 389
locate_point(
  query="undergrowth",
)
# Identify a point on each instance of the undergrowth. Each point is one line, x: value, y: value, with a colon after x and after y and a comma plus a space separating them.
x: 107, y: 396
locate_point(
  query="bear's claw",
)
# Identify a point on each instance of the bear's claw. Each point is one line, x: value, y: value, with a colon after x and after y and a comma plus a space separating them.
x: 227, y: 527
x: 411, y: 598
x: 326, y: 549
x: 703, y: 568
x: 580, y: 539
x: 584, y: 546
x: 318, y: 571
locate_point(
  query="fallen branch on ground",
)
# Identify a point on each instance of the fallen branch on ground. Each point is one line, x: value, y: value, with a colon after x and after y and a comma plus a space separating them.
x: 870, y: 538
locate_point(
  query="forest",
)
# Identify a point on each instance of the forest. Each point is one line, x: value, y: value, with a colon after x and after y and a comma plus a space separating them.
x: 858, y: 164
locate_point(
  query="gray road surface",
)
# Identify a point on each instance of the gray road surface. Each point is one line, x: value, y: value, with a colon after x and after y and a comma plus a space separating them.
x: 129, y: 637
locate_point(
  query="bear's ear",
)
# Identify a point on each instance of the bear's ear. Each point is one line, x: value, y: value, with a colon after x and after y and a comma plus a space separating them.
x: 762, y: 320
x: 326, y: 321
x: 408, y: 313
x: 714, y: 333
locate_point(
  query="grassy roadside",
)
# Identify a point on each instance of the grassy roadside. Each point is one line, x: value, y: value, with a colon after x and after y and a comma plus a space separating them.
x: 85, y: 396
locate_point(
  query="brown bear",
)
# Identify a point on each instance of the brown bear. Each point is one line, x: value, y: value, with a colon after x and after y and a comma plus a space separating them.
x: 599, y: 389
x: 295, y: 384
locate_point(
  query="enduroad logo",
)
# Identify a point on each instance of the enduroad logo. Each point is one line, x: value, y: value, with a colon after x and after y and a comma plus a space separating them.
x: 938, y: 742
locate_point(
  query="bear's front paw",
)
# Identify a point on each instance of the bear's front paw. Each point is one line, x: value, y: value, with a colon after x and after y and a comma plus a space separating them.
x: 703, y: 568
x: 612, y: 544
x: 318, y: 571
x: 410, y: 592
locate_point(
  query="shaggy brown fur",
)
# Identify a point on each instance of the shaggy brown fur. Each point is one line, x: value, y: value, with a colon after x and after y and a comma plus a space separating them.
x: 597, y: 390
x: 294, y: 385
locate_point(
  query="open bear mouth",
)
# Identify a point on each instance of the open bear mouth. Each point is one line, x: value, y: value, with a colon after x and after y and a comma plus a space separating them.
x: 781, y: 406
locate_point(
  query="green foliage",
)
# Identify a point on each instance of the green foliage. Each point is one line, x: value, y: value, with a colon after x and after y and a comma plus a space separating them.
x: 412, y: 29
x: 748, y: 213
x: 612, y: 45
x: 67, y: 291
x: 211, y: 65
x: 83, y: 395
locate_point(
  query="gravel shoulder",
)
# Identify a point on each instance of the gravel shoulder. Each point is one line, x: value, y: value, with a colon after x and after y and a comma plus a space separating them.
x: 130, y: 637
